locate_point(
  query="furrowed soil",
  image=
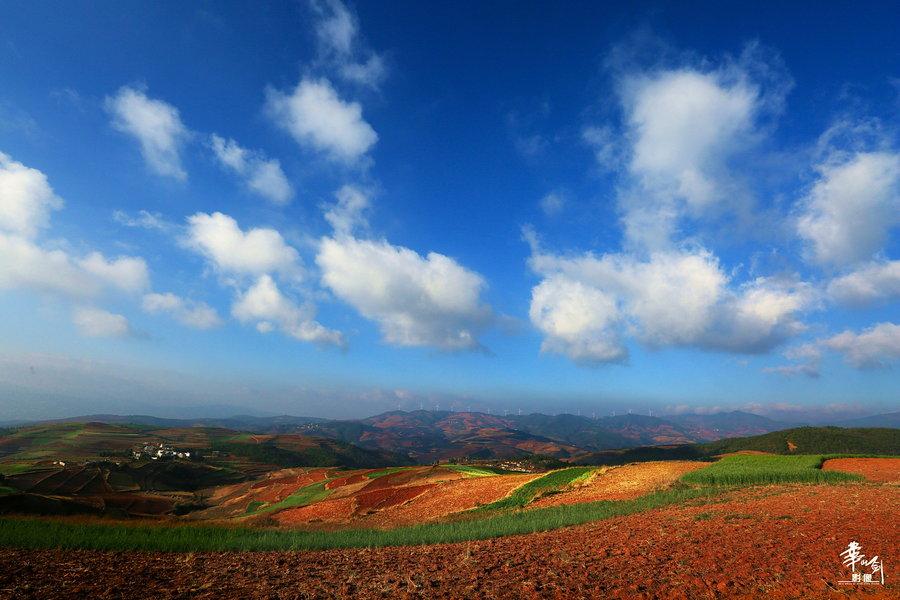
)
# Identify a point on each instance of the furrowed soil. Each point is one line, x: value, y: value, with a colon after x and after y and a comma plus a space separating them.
x: 773, y: 542
x: 874, y: 469
x: 622, y: 483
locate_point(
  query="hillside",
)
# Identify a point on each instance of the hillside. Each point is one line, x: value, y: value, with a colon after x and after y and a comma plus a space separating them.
x: 43, y: 445
x: 813, y: 440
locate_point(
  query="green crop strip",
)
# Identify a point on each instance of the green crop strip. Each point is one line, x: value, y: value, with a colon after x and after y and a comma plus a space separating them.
x: 551, y: 482
x: 315, y: 492
x: 762, y: 470
x: 476, y: 471
x: 383, y: 472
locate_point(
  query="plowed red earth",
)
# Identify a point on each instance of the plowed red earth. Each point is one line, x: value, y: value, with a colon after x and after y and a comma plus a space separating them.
x: 873, y: 469
x: 623, y: 483
x: 448, y: 498
x: 345, y: 481
x: 338, y: 510
x: 771, y: 542
x: 386, y: 498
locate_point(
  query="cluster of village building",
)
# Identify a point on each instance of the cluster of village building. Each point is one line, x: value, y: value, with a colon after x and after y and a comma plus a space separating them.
x: 156, y: 451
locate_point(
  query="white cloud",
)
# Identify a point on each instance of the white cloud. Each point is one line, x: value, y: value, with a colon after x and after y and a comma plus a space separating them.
x: 337, y: 27
x: 26, y: 198
x: 94, y: 322
x: 369, y: 73
x: 339, y: 45
x: 347, y: 213
x: 144, y: 220
x: 577, y: 320
x: 416, y: 301
x: 847, y: 215
x: 873, y: 282
x: 198, y: 315
x: 262, y: 175
x: 552, y: 204
x: 875, y: 347
x: 127, y: 273
x: 587, y: 305
x: 155, y: 124
x: 808, y: 370
x: 265, y: 305
x: 23, y: 264
x: 685, y: 124
x: 316, y: 117
x: 683, y: 131
x: 254, y: 252
x: 604, y: 142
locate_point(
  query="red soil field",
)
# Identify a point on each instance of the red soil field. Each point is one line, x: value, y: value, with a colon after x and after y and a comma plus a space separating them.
x: 330, y: 511
x: 885, y: 470
x: 448, y: 498
x: 623, y: 483
x: 281, y: 488
x: 768, y: 542
x: 348, y: 480
x: 367, y: 501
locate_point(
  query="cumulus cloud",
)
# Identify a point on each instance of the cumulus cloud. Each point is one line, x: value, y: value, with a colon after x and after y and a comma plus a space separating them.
x: 807, y: 370
x: 369, y: 73
x: 315, y: 116
x: 155, y: 124
x: 348, y: 212
x: 848, y: 213
x: 577, y: 320
x: 265, y: 305
x: 253, y: 252
x: 95, y: 322
x: 337, y: 29
x: 684, y: 124
x: 682, y: 131
x: 552, y: 204
x: 198, y: 315
x: 586, y: 305
x: 875, y: 347
x: 127, y: 273
x: 261, y: 175
x: 604, y: 142
x: 25, y: 201
x: 143, y: 219
x: 416, y: 301
x: 26, y: 198
x: 24, y: 264
x: 873, y: 282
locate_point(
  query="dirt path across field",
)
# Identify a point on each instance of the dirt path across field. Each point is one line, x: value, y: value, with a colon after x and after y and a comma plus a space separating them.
x: 773, y: 542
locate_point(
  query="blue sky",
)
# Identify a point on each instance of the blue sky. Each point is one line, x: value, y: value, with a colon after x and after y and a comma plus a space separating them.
x: 336, y: 209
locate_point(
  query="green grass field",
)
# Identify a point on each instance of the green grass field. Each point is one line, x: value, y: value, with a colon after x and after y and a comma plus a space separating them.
x: 37, y: 533
x: 762, y: 469
x: 315, y: 492
x: 472, y: 471
x: 551, y: 482
x: 383, y: 472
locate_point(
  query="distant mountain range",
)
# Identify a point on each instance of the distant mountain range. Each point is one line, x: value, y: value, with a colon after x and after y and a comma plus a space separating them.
x: 428, y: 436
